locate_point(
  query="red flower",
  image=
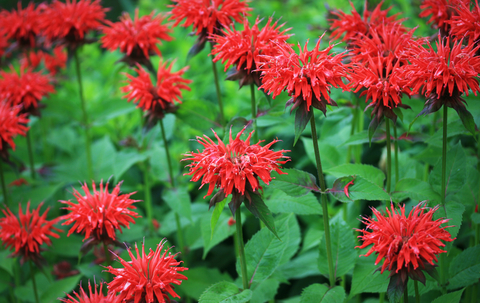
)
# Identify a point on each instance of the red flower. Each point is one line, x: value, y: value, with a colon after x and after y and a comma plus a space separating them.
x: 136, y: 38
x: 406, y: 242
x: 147, y: 278
x: 3, y: 44
x: 12, y: 123
x: 466, y: 23
x: 53, y: 63
x: 307, y: 76
x: 26, y: 89
x: 156, y: 100
x: 441, y: 12
x: 100, y: 214
x: 92, y: 297
x: 18, y: 182
x: 208, y: 16
x: 22, y: 25
x: 231, y: 221
x: 27, y: 232
x: 242, y: 48
x: 70, y: 22
x: 355, y: 25
x: 234, y: 167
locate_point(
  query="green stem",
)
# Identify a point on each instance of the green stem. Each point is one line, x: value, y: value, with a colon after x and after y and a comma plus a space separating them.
x: 360, y: 119
x: 180, y: 234
x: 108, y: 261
x: 4, y: 186
x: 397, y: 174
x: 219, y: 94
x: 441, y: 259
x: 30, y: 155
x: 241, y: 248
x: 389, y: 156
x: 254, y: 113
x: 33, y: 281
x: 321, y: 179
x: 169, y: 161
x: 405, y: 293
x: 417, y: 294
x: 148, y: 193
x: 47, y: 151
x: 88, y: 139
x: 381, y: 298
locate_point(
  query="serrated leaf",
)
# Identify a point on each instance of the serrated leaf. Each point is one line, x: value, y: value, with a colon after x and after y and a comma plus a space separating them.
x: 302, y: 117
x: 453, y: 297
x: 320, y: 293
x: 300, y: 266
x: 454, y: 212
x: 329, y: 154
x: 366, y: 278
x: 342, y: 242
x: 217, y: 211
x: 467, y: 119
x: 455, y: 171
x: 414, y: 189
x: 465, y: 268
x: 295, y: 183
x: 280, y: 202
x: 124, y: 160
x: 361, y: 189
x: 225, y: 292
x: 200, y: 278
x: 265, y: 291
x: 368, y: 172
x: 260, y: 210
x: 221, y: 232
x: 179, y: 201
x: 264, y: 253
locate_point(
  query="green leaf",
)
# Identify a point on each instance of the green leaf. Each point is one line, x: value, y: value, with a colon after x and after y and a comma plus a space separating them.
x: 265, y: 291
x: 198, y: 114
x: 361, y: 189
x: 217, y: 211
x: 329, y: 154
x: 475, y: 217
x: 264, y: 253
x: 465, y: 268
x: 453, y: 297
x: 319, y: 293
x: 366, y: 278
x: 454, y: 212
x: 59, y: 289
x: 6, y: 262
x: 220, y: 232
x: 200, y: 278
x: 342, y: 243
x: 469, y: 193
x: 361, y: 138
x: 300, y: 266
x: 295, y: 183
x: 455, y: 171
x: 67, y: 246
x: 260, y: 210
x: 467, y: 118
x: 396, y: 288
x: 124, y: 160
x: 225, y: 292
x: 302, y: 117
x: 179, y: 201
x: 414, y: 189
x: 279, y: 202
x: 368, y: 172
x: 372, y: 127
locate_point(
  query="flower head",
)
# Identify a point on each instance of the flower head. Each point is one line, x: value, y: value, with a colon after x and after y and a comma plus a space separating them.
x: 441, y: 12
x: 71, y: 21
x: 207, y: 17
x: 242, y: 48
x: 355, y: 25
x: 136, y: 38
x: 466, y: 22
x: 90, y: 297
x: 99, y: 214
x: 22, y: 25
x: 444, y: 75
x: 307, y: 76
x: 159, y: 99
x: 234, y: 167
x: 146, y: 278
x: 27, y: 231
x: 406, y: 243
x: 12, y: 123
x: 25, y: 89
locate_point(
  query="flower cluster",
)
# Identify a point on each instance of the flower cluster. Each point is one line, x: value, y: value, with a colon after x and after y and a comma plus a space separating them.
x: 406, y: 243
x: 27, y: 231
x: 307, y: 77
x: 146, y: 278
x: 243, y: 48
x: 100, y: 214
x: 136, y: 38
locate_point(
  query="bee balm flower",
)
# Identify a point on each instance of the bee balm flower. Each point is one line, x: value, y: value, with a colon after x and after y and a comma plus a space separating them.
x: 146, y: 278
x: 22, y: 25
x: 12, y: 123
x: 90, y: 297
